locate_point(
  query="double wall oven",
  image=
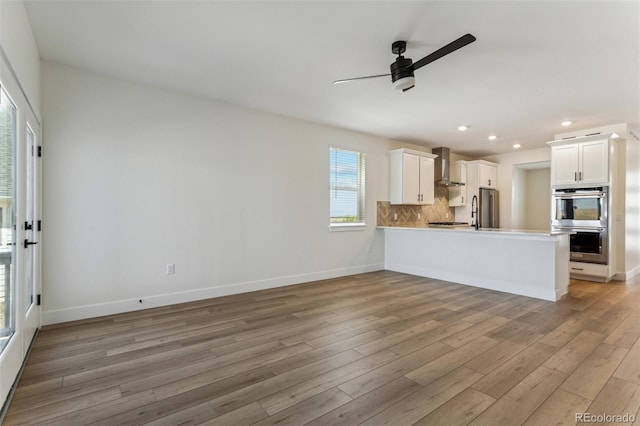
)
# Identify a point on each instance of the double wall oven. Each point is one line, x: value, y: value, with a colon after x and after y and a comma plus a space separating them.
x: 583, y: 211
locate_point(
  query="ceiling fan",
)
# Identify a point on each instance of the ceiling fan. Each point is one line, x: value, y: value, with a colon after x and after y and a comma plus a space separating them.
x: 402, y: 68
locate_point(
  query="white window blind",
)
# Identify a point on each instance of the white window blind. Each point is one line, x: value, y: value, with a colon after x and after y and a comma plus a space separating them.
x: 347, y: 184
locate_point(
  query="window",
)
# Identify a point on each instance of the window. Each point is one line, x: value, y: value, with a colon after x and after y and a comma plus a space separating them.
x: 347, y: 183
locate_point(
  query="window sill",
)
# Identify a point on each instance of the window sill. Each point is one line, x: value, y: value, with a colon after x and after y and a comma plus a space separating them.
x: 342, y: 227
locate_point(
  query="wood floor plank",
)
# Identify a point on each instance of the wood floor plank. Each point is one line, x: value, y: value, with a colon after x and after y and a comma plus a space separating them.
x: 243, y: 416
x: 514, y: 370
x: 618, y: 397
x: 523, y: 399
x: 308, y: 409
x: 291, y: 396
x: 188, y: 417
x: 574, y: 352
x: 627, y: 333
x: 425, y: 339
x: 559, y: 409
x: 368, y: 404
x: 495, y: 357
x: 215, y: 368
x: 459, y: 410
x: 629, y: 368
x: 590, y: 377
x: 367, y: 382
x: 421, y: 403
x: 255, y: 392
x: 47, y: 412
x: 478, y: 329
x: 375, y: 348
x: 397, y: 337
x: 450, y: 361
x: 101, y: 411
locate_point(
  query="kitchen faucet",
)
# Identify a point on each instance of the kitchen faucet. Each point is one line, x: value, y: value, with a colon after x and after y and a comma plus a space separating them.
x: 474, y: 211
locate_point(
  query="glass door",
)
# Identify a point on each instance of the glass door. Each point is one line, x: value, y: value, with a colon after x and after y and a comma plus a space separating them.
x: 8, y: 138
x: 20, y: 253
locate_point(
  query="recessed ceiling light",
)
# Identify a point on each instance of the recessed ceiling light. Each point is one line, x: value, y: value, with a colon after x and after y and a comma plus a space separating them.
x: 463, y: 128
x: 492, y: 137
x: 516, y: 145
x: 566, y: 123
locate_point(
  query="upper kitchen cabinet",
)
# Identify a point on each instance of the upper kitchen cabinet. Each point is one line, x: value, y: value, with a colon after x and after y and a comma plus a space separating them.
x: 482, y: 174
x: 581, y: 161
x: 458, y: 194
x: 411, y: 177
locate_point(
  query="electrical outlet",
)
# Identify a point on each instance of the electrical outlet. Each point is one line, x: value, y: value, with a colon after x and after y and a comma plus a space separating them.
x: 395, y: 216
x: 418, y: 215
x: 171, y: 268
x: 446, y: 216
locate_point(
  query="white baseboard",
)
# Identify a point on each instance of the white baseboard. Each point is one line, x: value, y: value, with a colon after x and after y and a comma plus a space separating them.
x: 623, y: 276
x: 153, y: 301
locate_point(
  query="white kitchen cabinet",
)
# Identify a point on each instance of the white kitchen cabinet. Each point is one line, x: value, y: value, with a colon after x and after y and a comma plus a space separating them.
x: 487, y: 175
x: 479, y: 174
x: 411, y: 178
x: 579, y: 162
x: 458, y: 194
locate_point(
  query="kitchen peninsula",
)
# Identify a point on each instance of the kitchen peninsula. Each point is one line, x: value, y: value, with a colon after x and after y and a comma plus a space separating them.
x: 528, y: 263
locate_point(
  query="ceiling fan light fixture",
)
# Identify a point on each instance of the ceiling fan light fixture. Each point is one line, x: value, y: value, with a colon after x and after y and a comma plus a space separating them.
x: 404, y: 83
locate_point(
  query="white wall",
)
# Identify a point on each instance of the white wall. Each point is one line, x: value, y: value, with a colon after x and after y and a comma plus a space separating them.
x: 632, y: 204
x: 18, y: 43
x: 138, y: 177
x: 506, y: 163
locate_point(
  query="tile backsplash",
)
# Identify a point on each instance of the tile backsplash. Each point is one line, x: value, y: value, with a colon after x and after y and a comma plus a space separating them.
x: 408, y: 215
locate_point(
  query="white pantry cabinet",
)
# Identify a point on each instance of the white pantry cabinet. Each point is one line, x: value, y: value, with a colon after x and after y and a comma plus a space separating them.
x: 411, y: 178
x: 580, y: 161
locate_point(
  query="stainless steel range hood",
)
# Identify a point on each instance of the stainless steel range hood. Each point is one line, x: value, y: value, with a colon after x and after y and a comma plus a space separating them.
x: 442, y: 165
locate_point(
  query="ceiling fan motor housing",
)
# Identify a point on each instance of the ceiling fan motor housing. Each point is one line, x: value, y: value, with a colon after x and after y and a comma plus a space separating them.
x: 402, y: 73
x: 401, y: 68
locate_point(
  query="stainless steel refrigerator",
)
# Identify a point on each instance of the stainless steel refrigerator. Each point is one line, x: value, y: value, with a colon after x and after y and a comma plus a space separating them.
x: 488, y: 208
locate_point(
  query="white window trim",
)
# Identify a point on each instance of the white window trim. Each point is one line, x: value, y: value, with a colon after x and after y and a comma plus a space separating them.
x: 350, y: 226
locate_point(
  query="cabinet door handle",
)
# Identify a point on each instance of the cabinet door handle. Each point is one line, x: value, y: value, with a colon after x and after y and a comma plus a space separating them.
x: 421, y: 197
x: 575, y: 176
x: 577, y: 269
x: 418, y: 197
x: 580, y: 175
x: 489, y: 182
x: 462, y: 199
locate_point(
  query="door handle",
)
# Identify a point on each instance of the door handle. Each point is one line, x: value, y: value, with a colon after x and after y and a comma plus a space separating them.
x: 28, y: 243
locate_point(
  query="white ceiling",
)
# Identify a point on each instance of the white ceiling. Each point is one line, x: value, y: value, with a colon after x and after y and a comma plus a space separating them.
x: 533, y: 65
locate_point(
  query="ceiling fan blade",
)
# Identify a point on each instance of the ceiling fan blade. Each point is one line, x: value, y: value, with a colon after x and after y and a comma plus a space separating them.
x: 443, y: 51
x: 347, y: 80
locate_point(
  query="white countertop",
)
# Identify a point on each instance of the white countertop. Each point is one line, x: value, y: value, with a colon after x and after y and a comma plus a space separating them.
x: 482, y: 231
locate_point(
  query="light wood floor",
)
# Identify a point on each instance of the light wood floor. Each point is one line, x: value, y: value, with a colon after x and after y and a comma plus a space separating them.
x: 372, y: 349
